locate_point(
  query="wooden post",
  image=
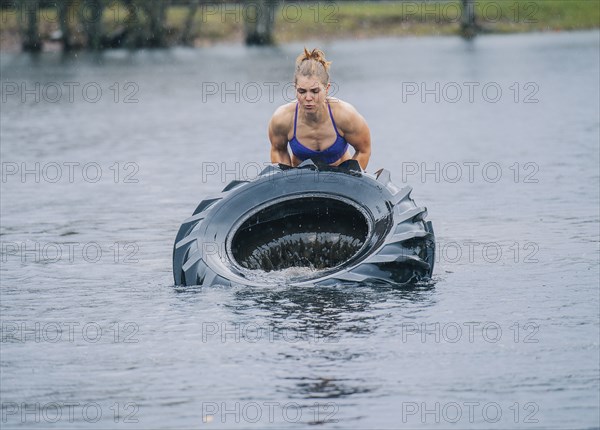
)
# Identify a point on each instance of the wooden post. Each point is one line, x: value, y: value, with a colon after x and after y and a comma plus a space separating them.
x: 64, y: 17
x: 186, y: 35
x: 468, y: 26
x: 132, y: 23
x: 90, y: 15
x: 259, y: 20
x: 31, y: 36
x: 157, y: 14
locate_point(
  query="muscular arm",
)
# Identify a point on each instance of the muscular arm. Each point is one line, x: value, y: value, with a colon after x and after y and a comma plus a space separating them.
x: 278, y: 138
x: 357, y: 134
x: 362, y: 146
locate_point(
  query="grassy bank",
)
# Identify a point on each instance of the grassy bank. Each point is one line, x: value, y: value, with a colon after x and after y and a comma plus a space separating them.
x: 359, y: 19
x: 342, y: 19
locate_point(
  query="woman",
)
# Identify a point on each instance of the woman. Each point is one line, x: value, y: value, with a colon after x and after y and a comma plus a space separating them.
x: 308, y: 125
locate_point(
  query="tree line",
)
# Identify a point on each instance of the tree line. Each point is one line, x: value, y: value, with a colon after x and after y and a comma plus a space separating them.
x: 144, y: 23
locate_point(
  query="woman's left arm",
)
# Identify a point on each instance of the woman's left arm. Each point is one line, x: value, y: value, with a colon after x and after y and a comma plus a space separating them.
x: 357, y: 134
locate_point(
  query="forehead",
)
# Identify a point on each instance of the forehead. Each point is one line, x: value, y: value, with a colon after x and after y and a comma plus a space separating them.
x: 308, y: 82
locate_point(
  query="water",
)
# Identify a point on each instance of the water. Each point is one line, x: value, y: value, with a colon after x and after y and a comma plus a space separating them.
x: 507, y: 337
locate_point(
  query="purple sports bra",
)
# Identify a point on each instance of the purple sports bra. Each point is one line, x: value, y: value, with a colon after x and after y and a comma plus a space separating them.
x: 329, y: 155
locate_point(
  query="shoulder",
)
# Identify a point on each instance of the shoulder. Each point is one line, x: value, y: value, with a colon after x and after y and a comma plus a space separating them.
x: 282, y: 118
x: 346, y: 116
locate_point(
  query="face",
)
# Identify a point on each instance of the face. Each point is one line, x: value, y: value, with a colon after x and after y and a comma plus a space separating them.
x: 310, y: 92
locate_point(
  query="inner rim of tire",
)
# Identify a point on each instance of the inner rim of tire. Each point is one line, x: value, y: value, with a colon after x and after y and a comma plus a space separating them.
x: 315, y: 232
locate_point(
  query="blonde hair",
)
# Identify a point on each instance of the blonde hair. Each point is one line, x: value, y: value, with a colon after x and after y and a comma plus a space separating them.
x: 312, y: 63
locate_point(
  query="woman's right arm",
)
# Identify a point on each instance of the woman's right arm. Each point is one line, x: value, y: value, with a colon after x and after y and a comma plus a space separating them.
x: 278, y: 137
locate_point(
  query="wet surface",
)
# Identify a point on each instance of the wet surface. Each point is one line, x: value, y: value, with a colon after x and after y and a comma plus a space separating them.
x: 499, y: 139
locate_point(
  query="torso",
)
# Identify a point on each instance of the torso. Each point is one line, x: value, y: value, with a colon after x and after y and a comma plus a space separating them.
x: 319, y: 137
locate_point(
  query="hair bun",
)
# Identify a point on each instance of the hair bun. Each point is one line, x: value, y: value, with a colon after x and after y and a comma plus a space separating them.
x: 316, y: 54
x: 312, y: 63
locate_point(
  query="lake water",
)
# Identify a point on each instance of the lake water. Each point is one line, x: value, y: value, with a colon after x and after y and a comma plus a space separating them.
x: 104, y: 156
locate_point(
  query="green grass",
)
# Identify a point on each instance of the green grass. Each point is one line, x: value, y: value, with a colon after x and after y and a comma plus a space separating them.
x: 540, y: 15
x: 358, y: 20
x: 352, y: 19
x: 367, y: 19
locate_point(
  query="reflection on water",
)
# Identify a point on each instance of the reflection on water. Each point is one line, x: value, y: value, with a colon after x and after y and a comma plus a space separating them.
x: 327, y: 328
x: 325, y: 388
x: 328, y: 312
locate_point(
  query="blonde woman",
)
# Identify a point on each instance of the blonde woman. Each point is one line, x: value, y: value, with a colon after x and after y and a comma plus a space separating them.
x: 317, y: 126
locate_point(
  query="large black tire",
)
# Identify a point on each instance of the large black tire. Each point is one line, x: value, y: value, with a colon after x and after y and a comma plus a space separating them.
x: 350, y: 225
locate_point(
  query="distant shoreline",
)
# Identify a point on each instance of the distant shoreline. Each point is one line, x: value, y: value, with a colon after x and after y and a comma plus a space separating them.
x: 335, y: 21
